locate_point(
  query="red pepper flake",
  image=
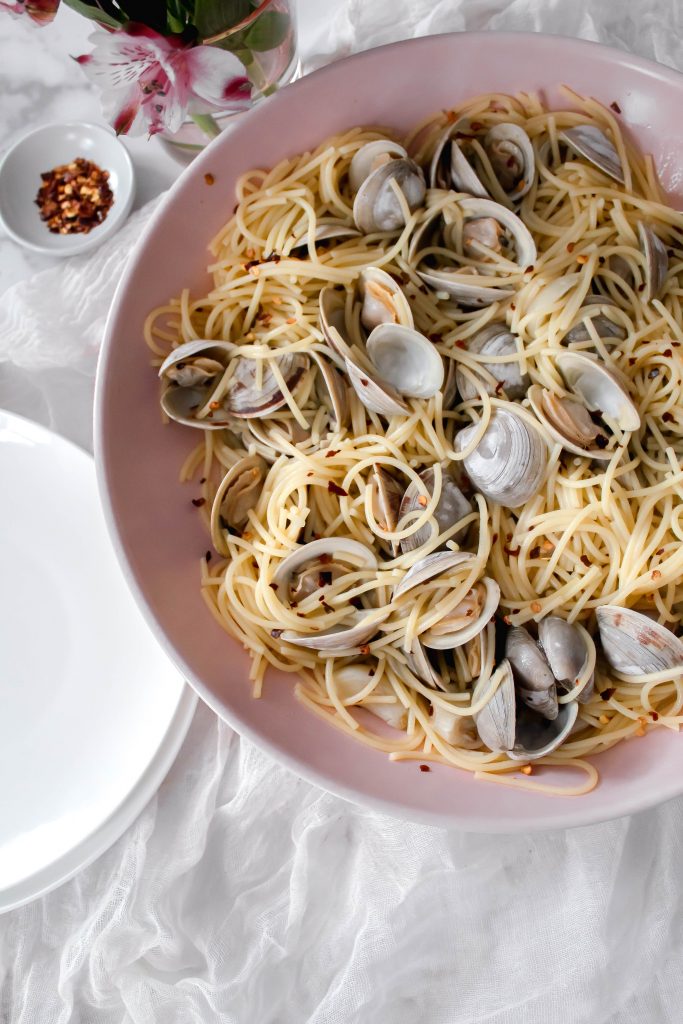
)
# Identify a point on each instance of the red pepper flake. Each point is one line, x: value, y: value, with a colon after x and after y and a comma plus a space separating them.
x: 276, y: 633
x: 74, y: 198
x: 526, y: 769
x: 582, y: 258
x: 209, y: 179
x: 601, y: 260
x: 332, y: 452
x: 325, y: 558
x: 494, y: 538
x: 641, y: 287
x: 654, y: 716
x: 460, y: 343
x: 422, y: 501
x: 615, y: 107
x: 513, y: 307
x: 667, y: 353
x: 608, y: 693
x: 656, y: 574
x: 425, y: 768
x: 214, y: 405
x: 324, y: 579
x: 273, y: 586
x: 310, y: 473
x: 659, y: 551
x: 535, y: 607
x: 535, y: 552
x: 291, y: 320
x: 371, y: 672
x: 586, y: 561
x: 476, y: 126
x: 336, y: 489
x: 512, y: 552
x: 529, y: 270
x: 571, y: 246
x: 202, y: 479
x: 198, y: 502
x: 207, y: 556
x: 364, y: 649
x: 667, y: 417
x: 364, y: 382
x: 499, y: 387
x: 632, y: 360
x: 434, y: 337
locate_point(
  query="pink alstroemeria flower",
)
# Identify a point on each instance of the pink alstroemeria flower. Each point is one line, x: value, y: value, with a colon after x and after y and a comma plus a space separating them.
x: 40, y: 11
x: 154, y: 81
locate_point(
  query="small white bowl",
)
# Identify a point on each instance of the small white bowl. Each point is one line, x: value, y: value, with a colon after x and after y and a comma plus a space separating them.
x: 48, y: 147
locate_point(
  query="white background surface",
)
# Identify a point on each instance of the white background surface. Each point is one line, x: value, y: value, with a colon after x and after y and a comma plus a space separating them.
x: 242, y: 894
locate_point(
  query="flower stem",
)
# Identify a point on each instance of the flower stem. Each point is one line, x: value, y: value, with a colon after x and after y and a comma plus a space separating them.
x: 208, y: 124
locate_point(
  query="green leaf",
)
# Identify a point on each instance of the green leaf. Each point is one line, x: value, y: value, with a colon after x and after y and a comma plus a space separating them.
x: 268, y: 31
x: 214, y: 16
x: 94, y: 13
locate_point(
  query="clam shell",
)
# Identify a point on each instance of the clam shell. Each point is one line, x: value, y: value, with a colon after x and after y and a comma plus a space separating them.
x: 532, y: 673
x: 406, y: 359
x: 525, y: 247
x: 592, y: 144
x: 565, y: 647
x: 324, y: 231
x: 460, y: 636
x: 244, y: 399
x: 601, y: 389
x: 238, y: 492
x: 376, y: 394
x: 362, y: 627
x: 180, y: 404
x: 509, y: 463
x: 656, y: 261
x: 451, y: 507
x: 635, y: 644
x: 536, y: 737
x: 496, y: 721
x: 383, y: 300
x: 495, y: 340
x: 464, y: 178
x: 386, y: 500
x: 344, y: 548
x: 512, y: 143
x: 422, y: 667
x: 332, y: 306
x: 606, y: 328
x: 369, y: 157
x: 376, y: 206
x: 568, y: 436
x: 335, y: 386
x: 429, y: 567
x: 220, y: 350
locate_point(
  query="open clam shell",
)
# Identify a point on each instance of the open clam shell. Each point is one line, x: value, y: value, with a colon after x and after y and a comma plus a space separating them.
x: 361, y: 627
x: 245, y: 399
x: 429, y: 567
x: 376, y: 394
x: 520, y: 733
x: 386, y: 500
x: 383, y: 300
x: 495, y: 340
x: 510, y: 461
x: 606, y: 329
x: 451, y: 507
x: 189, y: 374
x: 511, y: 153
x: 532, y: 673
x: 238, y: 492
x: 466, y: 620
x: 335, y: 389
x: 332, y: 307
x: 568, y: 650
x: 325, y: 231
x: 592, y: 144
x: 370, y: 157
x: 635, y: 644
x: 377, y: 207
x: 406, y: 359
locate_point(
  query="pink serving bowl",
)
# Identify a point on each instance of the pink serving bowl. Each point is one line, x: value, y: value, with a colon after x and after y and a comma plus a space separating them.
x: 155, y: 529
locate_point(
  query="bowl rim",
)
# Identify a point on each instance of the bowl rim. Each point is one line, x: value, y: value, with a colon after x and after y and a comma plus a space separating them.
x: 126, y: 197
x: 576, y: 813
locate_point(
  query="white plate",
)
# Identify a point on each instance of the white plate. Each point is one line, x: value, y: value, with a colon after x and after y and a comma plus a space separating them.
x: 48, y: 147
x: 92, y: 712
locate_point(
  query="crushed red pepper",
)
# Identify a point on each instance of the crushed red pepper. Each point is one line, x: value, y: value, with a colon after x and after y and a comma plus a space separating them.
x: 74, y: 198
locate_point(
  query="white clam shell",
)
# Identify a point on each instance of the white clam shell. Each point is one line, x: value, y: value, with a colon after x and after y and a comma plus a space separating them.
x: 512, y: 141
x: 600, y: 388
x: 495, y: 340
x: 450, y: 508
x: 335, y: 386
x: 535, y: 395
x: 592, y: 143
x: 406, y: 359
x: 635, y: 645
x: 496, y: 720
x: 365, y: 160
x: 376, y: 394
x: 536, y: 737
x: 237, y: 493
x: 221, y: 350
x: 361, y: 627
x: 510, y: 461
x: 383, y: 300
x: 567, y: 649
x: 429, y: 567
x: 376, y: 206
x: 460, y: 636
x: 656, y: 261
x: 244, y: 399
x: 324, y: 231
x: 532, y: 673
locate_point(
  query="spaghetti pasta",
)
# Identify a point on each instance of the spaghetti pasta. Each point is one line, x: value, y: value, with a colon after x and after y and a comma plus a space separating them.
x: 374, y: 654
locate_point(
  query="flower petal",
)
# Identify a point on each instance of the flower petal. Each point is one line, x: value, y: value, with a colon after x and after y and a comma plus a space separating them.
x: 218, y: 78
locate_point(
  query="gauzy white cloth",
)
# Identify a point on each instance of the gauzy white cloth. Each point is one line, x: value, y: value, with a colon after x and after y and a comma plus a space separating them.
x: 243, y: 895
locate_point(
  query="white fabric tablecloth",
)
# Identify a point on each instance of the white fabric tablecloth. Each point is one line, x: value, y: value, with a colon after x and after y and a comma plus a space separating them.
x: 244, y: 895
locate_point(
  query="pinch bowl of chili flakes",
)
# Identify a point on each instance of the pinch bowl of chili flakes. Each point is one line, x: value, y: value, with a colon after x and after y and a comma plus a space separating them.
x: 65, y: 188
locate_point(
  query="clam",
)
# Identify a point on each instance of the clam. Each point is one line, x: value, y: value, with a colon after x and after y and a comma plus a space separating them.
x: 387, y: 493
x: 487, y: 226
x: 532, y: 673
x: 245, y: 398
x: 636, y: 645
x: 268, y: 434
x: 310, y: 568
x: 510, y: 155
x: 371, y: 156
x: 406, y: 359
x: 495, y: 340
x: 376, y: 394
x: 656, y: 261
x: 467, y: 619
x: 594, y: 388
x: 463, y: 663
x: 518, y: 732
x: 451, y: 507
x: 383, y: 300
x: 333, y: 388
x: 189, y: 374
x: 353, y: 679
x: 238, y: 492
x: 449, y: 391
x: 430, y: 566
x: 377, y: 206
x: 510, y: 460
x: 568, y: 650
x: 592, y: 144
x: 591, y: 309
